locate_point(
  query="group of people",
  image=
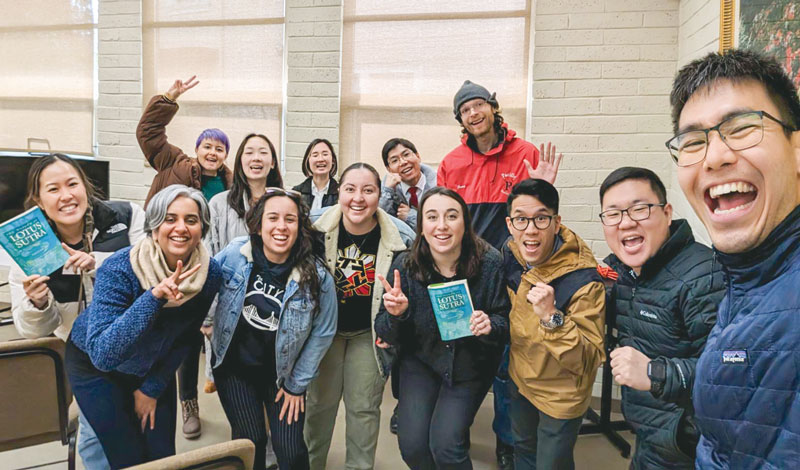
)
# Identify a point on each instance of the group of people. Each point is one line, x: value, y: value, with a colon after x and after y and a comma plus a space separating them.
x: 318, y: 294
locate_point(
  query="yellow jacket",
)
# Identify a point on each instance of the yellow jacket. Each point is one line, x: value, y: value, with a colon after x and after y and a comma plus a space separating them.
x: 555, y: 369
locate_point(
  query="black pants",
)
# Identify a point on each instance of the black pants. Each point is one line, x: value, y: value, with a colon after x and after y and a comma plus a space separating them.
x: 540, y: 441
x: 187, y: 372
x: 434, y: 418
x: 244, y: 397
x: 106, y: 400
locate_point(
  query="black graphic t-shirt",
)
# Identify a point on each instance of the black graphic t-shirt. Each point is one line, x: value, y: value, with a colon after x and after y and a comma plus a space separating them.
x: 253, y: 343
x: 355, y: 276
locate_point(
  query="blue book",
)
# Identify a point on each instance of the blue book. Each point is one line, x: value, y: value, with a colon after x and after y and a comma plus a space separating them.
x: 32, y: 244
x: 452, y: 306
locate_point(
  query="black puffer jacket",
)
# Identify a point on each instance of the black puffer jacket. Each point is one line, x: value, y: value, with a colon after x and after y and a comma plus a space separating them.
x: 667, y: 312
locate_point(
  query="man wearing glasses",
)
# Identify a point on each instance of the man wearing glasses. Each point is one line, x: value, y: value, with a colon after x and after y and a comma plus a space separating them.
x: 557, y: 318
x: 406, y: 181
x: 738, y: 154
x: 490, y: 160
x: 665, y: 302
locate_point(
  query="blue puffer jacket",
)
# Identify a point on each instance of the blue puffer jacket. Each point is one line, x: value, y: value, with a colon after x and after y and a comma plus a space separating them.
x: 747, y: 384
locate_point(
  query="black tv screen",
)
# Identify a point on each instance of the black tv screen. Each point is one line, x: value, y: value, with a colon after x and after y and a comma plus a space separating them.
x: 14, y: 168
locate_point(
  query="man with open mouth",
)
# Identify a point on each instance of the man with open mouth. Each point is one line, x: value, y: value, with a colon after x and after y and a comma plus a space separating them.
x: 737, y: 147
x: 406, y: 181
x: 665, y: 302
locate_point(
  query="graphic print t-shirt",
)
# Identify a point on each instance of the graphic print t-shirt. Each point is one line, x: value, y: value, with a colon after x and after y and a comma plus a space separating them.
x: 355, y: 276
x: 254, y: 338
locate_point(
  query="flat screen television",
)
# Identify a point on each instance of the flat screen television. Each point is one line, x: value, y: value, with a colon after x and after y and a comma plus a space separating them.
x: 14, y: 168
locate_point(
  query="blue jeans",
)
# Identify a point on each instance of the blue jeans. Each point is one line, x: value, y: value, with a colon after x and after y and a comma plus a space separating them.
x: 501, y: 424
x: 540, y: 441
x: 89, y: 447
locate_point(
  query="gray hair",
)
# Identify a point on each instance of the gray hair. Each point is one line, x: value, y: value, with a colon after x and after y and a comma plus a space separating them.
x: 157, y: 206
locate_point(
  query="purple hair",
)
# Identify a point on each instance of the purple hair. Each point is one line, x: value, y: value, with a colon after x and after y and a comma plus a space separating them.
x: 214, y: 134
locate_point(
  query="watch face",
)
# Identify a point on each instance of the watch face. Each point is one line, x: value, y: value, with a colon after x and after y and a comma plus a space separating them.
x: 558, y: 319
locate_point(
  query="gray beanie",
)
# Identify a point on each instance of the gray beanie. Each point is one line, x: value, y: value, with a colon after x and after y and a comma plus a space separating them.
x: 470, y: 91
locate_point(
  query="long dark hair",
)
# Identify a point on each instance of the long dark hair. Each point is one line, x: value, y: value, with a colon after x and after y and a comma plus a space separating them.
x: 240, y: 187
x: 419, y: 262
x: 334, y: 161
x: 308, y: 249
x: 34, y: 187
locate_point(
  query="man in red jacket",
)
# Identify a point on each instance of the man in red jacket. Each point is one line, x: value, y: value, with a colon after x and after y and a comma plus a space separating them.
x: 489, y: 162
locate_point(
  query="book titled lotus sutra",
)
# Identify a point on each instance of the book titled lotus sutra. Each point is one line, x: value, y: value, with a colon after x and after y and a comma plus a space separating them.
x: 32, y: 244
x: 452, y: 306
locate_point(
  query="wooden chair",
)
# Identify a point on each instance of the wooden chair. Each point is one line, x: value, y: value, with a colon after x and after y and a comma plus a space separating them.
x: 231, y: 455
x: 35, y: 396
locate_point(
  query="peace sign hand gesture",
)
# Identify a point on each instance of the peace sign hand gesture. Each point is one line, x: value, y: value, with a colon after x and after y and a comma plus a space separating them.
x: 78, y: 260
x: 168, y: 288
x: 180, y: 87
x: 547, y: 169
x: 394, y: 299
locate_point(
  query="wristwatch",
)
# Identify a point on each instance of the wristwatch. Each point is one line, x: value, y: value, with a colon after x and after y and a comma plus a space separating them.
x: 555, y: 321
x: 657, y: 372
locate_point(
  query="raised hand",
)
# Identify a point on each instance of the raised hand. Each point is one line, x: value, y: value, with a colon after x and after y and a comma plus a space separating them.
x: 394, y: 299
x: 547, y: 169
x: 180, y: 87
x: 479, y: 323
x: 542, y: 297
x: 391, y: 180
x: 168, y: 288
x: 292, y: 406
x: 36, y: 289
x: 402, y: 211
x: 78, y: 260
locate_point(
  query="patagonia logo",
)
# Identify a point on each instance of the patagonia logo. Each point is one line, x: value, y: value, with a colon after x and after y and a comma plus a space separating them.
x: 736, y: 357
x: 116, y: 228
x: 647, y: 314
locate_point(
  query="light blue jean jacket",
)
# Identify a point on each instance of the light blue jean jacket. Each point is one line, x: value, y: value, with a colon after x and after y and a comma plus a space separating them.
x: 301, y: 341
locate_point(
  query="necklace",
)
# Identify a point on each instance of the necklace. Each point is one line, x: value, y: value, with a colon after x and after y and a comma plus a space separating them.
x: 367, y: 236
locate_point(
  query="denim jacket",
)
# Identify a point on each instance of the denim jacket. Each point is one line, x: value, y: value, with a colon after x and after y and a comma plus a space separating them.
x: 301, y: 340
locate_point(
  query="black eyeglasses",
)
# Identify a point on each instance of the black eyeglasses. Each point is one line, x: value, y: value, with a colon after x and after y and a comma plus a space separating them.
x: 739, y: 132
x: 636, y: 212
x: 539, y: 221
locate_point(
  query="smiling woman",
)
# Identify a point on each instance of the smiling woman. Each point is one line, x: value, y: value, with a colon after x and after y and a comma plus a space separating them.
x: 124, y: 349
x: 320, y: 188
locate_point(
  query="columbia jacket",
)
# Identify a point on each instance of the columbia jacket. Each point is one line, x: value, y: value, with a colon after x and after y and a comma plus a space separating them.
x: 667, y: 313
x: 173, y: 166
x: 747, y: 382
x: 117, y: 224
x: 555, y: 369
x: 485, y: 180
x: 302, y: 338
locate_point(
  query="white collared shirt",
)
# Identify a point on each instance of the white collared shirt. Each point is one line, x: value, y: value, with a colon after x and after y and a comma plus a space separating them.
x: 420, y: 187
x: 318, y: 194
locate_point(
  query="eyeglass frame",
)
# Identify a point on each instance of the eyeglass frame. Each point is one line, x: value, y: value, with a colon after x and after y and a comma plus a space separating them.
x: 622, y: 212
x: 528, y: 221
x: 465, y: 111
x: 707, y: 131
x: 402, y: 156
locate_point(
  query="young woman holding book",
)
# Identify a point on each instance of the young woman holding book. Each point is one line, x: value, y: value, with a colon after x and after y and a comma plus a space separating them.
x: 90, y: 230
x: 442, y: 383
x: 320, y: 189
x: 275, y: 319
x: 360, y: 241
x: 123, y: 351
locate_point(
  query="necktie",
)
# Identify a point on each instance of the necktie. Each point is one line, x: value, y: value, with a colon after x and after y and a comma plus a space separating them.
x: 413, y: 199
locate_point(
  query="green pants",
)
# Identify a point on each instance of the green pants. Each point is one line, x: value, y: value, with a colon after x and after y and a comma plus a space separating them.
x: 348, y: 371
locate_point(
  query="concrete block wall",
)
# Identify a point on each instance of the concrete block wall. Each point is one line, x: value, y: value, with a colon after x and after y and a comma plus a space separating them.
x: 119, y: 100
x: 313, y: 81
x: 602, y: 71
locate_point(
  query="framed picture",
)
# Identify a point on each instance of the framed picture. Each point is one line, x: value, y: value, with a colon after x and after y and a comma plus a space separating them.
x: 768, y: 26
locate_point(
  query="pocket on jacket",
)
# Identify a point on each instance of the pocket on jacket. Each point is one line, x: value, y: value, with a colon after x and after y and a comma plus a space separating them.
x: 298, y: 314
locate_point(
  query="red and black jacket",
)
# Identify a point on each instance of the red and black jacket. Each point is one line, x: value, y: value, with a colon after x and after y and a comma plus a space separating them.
x: 485, y: 180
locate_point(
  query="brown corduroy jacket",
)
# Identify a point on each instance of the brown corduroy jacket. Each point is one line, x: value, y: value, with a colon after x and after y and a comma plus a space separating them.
x: 555, y: 369
x: 171, y: 163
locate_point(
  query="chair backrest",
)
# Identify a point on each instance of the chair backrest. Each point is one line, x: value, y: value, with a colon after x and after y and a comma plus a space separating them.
x: 34, y: 393
x: 231, y: 455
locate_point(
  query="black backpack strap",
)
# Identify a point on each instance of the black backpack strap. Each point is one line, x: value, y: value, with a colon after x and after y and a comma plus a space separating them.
x: 512, y: 270
x: 567, y: 285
